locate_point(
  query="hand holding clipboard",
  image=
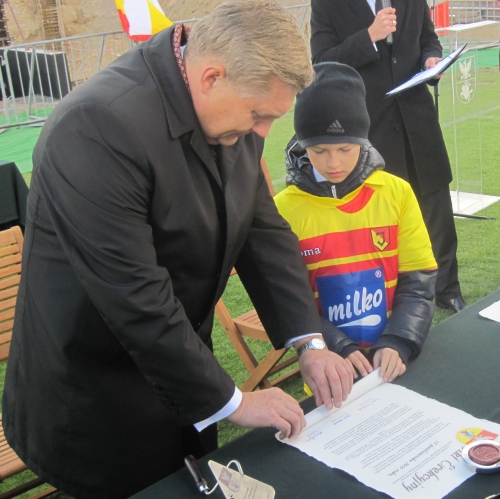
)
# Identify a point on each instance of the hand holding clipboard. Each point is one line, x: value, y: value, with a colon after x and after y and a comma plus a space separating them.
x: 430, y: 73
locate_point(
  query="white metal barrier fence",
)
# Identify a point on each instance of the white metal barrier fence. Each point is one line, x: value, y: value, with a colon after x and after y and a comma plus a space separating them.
x: 301, y: 13
x: 35, y: 76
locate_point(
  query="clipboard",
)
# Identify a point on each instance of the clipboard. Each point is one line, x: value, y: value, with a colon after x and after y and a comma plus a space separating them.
x: 430, y: 73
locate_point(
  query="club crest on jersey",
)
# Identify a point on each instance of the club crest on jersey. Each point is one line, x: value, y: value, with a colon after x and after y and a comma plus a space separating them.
x: 381, y: 237
x: 356, y: 303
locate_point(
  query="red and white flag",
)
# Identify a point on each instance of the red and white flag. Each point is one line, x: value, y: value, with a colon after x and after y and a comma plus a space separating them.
x: 141, y: 18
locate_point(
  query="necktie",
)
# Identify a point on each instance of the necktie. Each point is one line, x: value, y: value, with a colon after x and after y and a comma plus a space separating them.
x: 378, y: 5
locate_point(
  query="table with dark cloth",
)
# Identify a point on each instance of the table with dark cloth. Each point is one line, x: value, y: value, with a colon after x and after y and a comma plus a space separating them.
x: 458, y: 366
x: 13, y: 196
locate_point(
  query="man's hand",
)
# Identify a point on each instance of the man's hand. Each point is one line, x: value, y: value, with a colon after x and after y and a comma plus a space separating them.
x: 385, y: 23
x: 270, y: 407
x: 328, y: 375
x: 431, y: 62
x: 390, y: 363
x: 361, y: 363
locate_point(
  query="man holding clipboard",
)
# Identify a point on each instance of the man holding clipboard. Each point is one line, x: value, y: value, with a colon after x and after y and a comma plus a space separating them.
x: 404, y: 128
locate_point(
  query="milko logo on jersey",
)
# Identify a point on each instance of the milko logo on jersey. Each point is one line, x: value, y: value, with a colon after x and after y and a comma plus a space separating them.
x: 356, y: 303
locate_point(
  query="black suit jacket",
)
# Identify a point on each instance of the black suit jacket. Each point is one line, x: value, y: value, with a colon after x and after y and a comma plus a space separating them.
x: 132, y: 233
x: 340, y: 33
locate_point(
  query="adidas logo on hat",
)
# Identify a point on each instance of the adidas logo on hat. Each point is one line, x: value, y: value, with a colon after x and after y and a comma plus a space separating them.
x: 335, y: 127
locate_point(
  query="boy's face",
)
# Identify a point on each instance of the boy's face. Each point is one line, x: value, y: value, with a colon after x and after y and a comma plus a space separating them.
x: 334, y: 161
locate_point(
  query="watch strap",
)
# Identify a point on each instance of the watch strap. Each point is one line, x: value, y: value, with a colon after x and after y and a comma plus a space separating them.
x: 310, y: 345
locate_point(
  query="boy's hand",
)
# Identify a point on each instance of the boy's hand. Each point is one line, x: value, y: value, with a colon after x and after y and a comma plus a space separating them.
x: 361, y: 363
x: 390, y: 363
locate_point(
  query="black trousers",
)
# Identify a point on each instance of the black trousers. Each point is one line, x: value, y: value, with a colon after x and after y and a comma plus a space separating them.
x: 166, y: 457
x: 437, y: 211
x: 185, y: 440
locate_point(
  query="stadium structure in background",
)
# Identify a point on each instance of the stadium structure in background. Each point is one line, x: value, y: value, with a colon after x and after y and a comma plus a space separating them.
x: 5, y: 38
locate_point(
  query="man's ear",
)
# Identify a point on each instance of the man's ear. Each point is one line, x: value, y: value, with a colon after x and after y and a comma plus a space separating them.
x: 212, y: 76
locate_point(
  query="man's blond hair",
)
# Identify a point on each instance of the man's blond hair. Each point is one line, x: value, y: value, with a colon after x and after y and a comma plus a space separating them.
x: 257, y: 41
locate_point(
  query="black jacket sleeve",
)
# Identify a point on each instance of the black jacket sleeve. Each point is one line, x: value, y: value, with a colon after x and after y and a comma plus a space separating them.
x: 430, y: 45
x: 274, y: 274
x: 336, y: 340
x: 327, y: 46
x: 429, y: 41
x: 412, y: 314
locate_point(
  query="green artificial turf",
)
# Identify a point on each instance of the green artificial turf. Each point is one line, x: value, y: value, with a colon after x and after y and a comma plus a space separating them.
x: 16, y: 144
x: 479, y: 240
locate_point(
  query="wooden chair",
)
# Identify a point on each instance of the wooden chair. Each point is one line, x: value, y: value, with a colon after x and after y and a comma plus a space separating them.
x: 11, y: 247
x: 248, y: 325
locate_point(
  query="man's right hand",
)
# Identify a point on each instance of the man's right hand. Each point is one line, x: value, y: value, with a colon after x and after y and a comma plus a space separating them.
x: 385, y: 23
x: 270, y: 407
x: 328, y: 375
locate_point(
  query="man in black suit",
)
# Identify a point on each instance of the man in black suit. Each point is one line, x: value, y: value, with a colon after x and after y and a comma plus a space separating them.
x: 147, y: 190
x: 405, y: 128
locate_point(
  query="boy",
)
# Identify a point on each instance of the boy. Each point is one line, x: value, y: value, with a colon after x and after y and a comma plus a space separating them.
x: 360, y: 229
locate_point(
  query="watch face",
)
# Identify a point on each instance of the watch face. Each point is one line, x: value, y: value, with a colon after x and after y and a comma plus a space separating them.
x: 317, y: 343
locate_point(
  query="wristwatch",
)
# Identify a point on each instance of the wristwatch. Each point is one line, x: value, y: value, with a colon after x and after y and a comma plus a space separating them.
x: 314, y: 344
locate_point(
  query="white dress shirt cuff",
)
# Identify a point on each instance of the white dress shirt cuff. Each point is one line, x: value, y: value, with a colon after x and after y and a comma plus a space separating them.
x: 226, y: 411
x: 289, y: 343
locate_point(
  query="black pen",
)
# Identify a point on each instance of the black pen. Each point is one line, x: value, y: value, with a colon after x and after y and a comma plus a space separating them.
x: 194, y: 469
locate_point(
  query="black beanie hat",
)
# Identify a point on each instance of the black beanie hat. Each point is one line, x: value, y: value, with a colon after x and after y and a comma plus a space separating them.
x: 332, y: 110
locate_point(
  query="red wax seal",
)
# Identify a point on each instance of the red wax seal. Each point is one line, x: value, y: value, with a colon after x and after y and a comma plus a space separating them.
x: 485, y: 454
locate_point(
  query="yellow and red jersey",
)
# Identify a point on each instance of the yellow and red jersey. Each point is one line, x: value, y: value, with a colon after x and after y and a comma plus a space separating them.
x: 376, y: 229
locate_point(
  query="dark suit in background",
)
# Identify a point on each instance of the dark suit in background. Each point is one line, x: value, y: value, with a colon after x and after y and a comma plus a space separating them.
x: 13, y: 196
x: 132, y: 233
x: 405, y: 128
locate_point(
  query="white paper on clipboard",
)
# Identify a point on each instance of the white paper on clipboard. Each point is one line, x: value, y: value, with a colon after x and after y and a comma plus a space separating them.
x: 428, y: 74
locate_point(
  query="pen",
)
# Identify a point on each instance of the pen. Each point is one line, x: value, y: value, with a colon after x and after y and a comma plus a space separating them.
x: 194, y: 469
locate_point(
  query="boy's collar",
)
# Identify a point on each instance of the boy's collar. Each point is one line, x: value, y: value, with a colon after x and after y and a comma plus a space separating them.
x: 318, y: 176
x: 376, y: 178
x: 338, y: 190
x: 373, y: 179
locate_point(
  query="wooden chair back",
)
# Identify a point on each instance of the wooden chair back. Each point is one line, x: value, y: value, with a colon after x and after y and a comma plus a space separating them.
x: 249, y: 325
x: 269, y: 180
x: 11, y: 248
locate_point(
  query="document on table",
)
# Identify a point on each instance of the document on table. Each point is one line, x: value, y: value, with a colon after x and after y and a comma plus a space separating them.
x: 394, y: 440
x: 492, y: 312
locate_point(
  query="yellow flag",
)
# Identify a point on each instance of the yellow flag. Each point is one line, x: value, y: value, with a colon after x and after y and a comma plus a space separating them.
x: 141, y: 18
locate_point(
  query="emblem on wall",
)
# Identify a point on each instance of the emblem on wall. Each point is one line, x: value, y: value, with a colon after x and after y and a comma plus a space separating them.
x: 466, y: 79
